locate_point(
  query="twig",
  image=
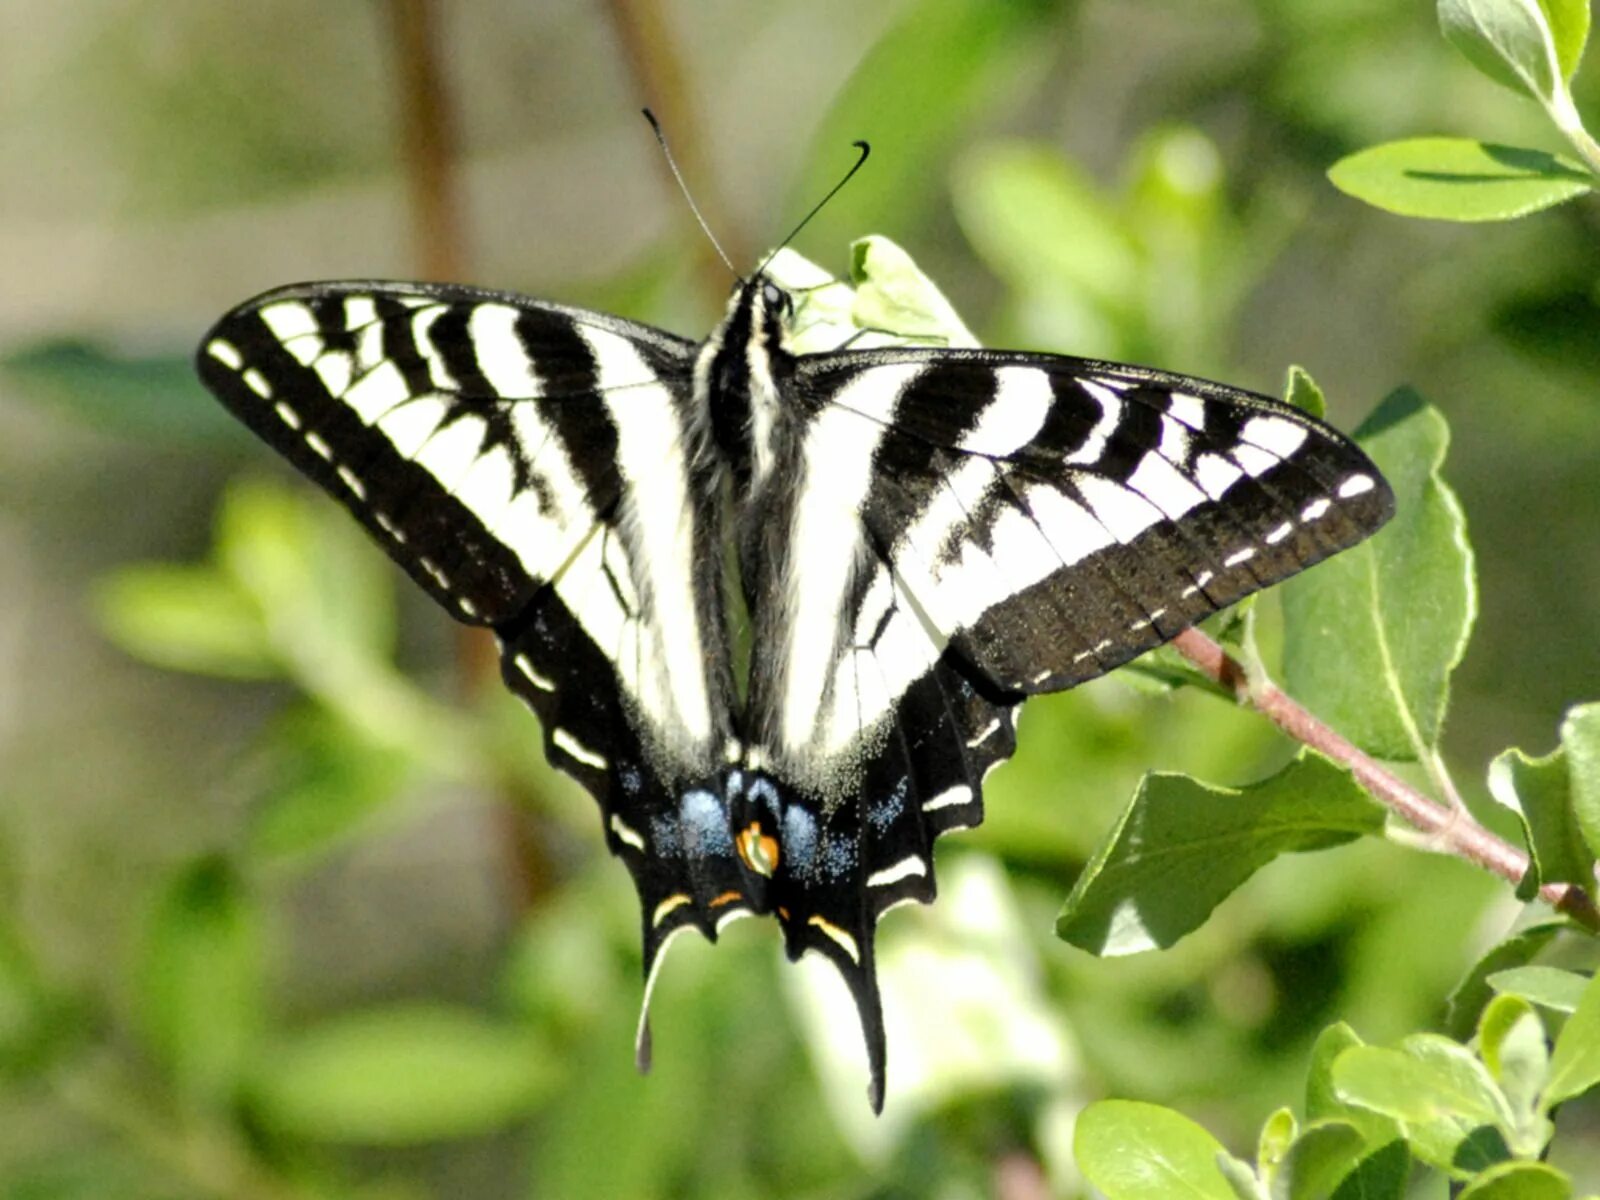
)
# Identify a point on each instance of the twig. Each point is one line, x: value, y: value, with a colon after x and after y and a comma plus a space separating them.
x: 653, y: 62
x: 1018, y: 1176
x: 428, y: 153
x: 1454, y: 830
x: 427, y: 143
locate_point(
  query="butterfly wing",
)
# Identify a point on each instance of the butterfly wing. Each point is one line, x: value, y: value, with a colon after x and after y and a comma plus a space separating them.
x: 532, y: 466
x: 970, y: 527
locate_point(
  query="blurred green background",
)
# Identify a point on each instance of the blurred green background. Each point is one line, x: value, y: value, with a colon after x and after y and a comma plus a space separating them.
x: 289, y: 906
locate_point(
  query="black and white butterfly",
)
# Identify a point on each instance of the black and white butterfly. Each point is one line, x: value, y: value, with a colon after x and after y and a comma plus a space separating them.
x: 921, y: 538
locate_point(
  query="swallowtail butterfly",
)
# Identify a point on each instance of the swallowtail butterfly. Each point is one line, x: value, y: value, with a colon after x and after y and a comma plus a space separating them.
x: 922, y: 538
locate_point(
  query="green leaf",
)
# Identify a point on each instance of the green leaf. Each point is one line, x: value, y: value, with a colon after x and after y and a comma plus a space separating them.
x: 1510, y: 41
x: 1575, y: 1062
x: 1182, y: 846
x: 1318, y: 1161
x: 1457, y: 179
x: 1278, y: 1133
x: 1134, y: 1151
x: 1042, y: 225
x: 185, y: 619
x: 1474, y: 991
x: 1538, y: 790
x: 1443, y: 1098
x: 916, y: 90
x: 1371, y: 636
x: 1381, y: 1175
x: 1323, y: 1102
x: 1512, y: 1043
x: 1519, y: 1181
x: 1548, y: 987
x: 892, y: 293
x: 1569, y: 29
x: 400, y: 1075
x: 1302, y: 391
x: 150, y: 396
x: 1580, y: 738
x: 200, y: 980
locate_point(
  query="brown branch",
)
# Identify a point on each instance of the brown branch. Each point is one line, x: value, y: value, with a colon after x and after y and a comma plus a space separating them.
x: 648, y: 47
x: 427, y: 143
x: 1453, y: 829
x: 428, y: 152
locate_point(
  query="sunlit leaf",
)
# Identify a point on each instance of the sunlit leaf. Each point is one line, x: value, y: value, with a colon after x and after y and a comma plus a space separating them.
x: 1135, y: 1151
x: 1474, y: 991
x: 1519, y: 1181
x: 1444, y: 1099
x: 1182, y: 846
x: 1575, y: 1062
x: 1580, y: 738
x: 1041, y: 224
x: 1569, y: 29
x: 1539, y: 791
x: 1372, y: 635
x: 1278, y: 1133
x: 1302, y: 391
x: 1457, y: 179
x: 1508, y: 40
x: 1323, y: 1102
x: 185, y: 618
x: 1548, y: 987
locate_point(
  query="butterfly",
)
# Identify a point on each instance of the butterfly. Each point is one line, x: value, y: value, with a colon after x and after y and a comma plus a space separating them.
x: 774, y: 610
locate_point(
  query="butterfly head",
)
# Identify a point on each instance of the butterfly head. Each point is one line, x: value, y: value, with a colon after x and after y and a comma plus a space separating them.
x: 759, y: 310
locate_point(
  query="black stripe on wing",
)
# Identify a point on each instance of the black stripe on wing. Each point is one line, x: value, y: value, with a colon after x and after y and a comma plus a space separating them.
x: 1069, y: 515
x: 462, y: 427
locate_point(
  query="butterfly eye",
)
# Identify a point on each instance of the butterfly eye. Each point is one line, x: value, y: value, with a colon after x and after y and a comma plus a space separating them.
x: 776, y: 298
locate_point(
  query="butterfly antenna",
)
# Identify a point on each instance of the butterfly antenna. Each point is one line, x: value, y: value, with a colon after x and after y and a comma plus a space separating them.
x: 684, y: 188
x: 820, y: 204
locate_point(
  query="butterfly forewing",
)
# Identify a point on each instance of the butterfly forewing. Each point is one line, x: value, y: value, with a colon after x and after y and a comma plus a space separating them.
x: 1051, y: 518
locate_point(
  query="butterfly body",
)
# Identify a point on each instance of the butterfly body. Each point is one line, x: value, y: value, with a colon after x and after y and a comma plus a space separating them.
x: 922, y: 536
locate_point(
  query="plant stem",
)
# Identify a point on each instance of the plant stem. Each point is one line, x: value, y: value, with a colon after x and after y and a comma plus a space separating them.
x: 1565, y: 114
x: 1454, y: 830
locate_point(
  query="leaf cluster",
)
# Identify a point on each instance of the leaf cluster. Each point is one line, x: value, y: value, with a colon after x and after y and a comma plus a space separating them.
x: 1478, y: 1113
x: 1534, y: 48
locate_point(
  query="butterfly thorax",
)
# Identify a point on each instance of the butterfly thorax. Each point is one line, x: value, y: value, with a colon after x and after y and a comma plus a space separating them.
x: 736, y: 381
